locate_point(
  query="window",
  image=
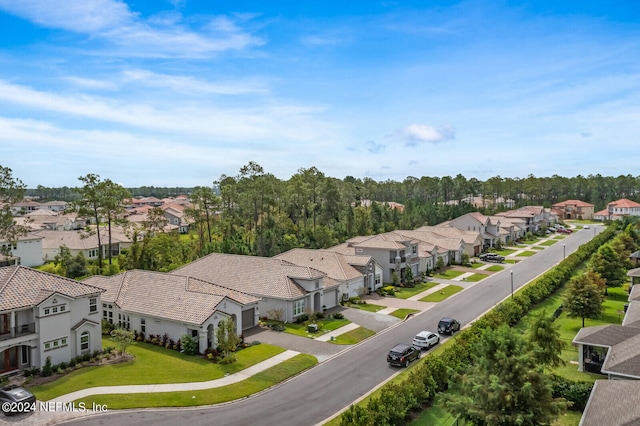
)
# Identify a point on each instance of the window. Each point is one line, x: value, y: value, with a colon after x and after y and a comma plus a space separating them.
x: 378, y: 279
x: 47, y: 311
x: 52, y: 344
x: 194, y: 334
x: 93, y: 304
x: 143, y: 325
x: 54, y: 310
x: 63, y: 308
x: 84, y: 341
x: 298, y: 307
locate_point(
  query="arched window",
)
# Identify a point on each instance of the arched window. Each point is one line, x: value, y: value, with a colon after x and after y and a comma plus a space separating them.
x: 84, y: 341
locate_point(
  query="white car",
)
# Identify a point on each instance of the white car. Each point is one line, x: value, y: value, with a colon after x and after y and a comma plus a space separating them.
x: 426, y: 340
x: 586, y: 227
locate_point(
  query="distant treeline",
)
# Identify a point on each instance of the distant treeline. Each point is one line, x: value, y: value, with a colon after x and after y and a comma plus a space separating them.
x: 546, y: 191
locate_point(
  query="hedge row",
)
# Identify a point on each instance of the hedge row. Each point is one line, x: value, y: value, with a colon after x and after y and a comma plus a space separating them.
x: 398, y: 400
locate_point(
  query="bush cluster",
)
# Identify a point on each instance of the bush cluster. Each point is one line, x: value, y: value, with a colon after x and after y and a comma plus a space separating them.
x: 76, y: 362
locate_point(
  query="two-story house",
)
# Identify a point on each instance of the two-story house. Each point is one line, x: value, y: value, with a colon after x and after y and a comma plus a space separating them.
x: 44, y: 315
x: 573, y: 209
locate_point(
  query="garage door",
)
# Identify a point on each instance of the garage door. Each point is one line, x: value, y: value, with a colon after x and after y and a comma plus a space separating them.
x: 248, y: 318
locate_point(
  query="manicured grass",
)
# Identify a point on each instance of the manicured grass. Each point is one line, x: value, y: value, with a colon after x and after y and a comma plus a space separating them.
x: 442, y: 294
x: 327, y: 326
x: 559, y: 237
x: 402, y: 313
x: 370, y: 307
x: 153, y: 364
x: 548, y: 243
x: 494, y: 268
x: 354, y: 336
x: 505, y: 252
x: 526, y: 253
x: 570, y: 418
x: 475, y: 277
x: 536, y: 247
x: 250, y: 386
x: 511, y: 261
x: 433, y: 416
x: 476, y: 265
x: 449, y: 274
x: 407, y: 292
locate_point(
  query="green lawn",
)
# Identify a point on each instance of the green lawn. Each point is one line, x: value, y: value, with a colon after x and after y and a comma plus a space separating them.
x: 526, y: 253
x: 449, y: 274
x: 352, y: 337
x: 494, y: 268
x: 442, y: 294
x: 407, y: 292
x: 153, y: 364
x: 250, y: 386
x: 548, y: 243
x: 505, y: 252
x: 327, y: 326
x: 402, y: 313
x: 476, y: 265
x: 369, y: 307
x: 475, y: 277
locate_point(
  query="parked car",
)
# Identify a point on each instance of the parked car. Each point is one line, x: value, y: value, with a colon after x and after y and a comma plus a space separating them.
x: 448, y: 326
x: 402, y: 354
x: 426, y: 340
x: 16, y: 399
x: 585, y: 227
x: 491, y: 257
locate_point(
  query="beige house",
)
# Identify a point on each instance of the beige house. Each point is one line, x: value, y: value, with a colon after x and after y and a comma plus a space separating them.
x: 573, y: 209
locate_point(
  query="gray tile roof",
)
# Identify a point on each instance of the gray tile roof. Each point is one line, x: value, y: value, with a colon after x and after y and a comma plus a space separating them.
x: 623, y: 357
x: 613, y: 403
x: 335, y: 265
x: 260, y: 276
x: 21, y: 287
x: 632, y: 316
x: 162, y: 295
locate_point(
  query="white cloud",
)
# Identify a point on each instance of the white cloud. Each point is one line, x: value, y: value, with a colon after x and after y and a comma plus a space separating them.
x: 89, y: 83
x: 415, y: 134
x: 161, y: 35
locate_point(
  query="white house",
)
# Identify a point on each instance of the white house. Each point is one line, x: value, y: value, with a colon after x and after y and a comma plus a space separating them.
x: 27, y: 249
x: 282, y: 287
x: 44, y: 315
x: 156, y: 303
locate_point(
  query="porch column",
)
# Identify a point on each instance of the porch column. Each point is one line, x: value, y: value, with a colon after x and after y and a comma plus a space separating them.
x: 12, y: 323
x: 580, y: 358
x: 202, y: 340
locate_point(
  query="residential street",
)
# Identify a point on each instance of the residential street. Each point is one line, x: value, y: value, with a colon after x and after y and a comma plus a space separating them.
x: 333, y: 385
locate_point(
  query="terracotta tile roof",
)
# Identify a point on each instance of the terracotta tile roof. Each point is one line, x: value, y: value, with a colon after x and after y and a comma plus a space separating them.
x: 577, y: 203
x: 335, y: 265
x: 388, y: 240
x: 261, y: 276
x: 613, y: 402
x: 433, y: 238
x: 21, y: 287
x: 78, y: 240
x: 171, y: 296
x: 624, y: 203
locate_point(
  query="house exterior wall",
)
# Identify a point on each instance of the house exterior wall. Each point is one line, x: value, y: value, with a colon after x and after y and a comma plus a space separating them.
x: 28, y: 250
x: 57, y: 339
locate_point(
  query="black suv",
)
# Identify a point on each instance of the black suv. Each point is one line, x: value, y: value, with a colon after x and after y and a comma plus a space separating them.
x: 402, y: 354
x: 448, y: 326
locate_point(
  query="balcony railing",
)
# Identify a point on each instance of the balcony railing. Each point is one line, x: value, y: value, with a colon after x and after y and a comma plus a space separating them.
x: 20, y: 330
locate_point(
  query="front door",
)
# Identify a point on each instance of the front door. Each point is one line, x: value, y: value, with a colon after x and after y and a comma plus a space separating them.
x: 9, y: 359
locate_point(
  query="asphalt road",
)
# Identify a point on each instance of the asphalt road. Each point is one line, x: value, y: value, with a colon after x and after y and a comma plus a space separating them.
x: 319, y: 393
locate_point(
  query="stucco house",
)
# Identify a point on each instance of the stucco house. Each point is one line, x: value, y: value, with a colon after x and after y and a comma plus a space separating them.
x: 392, y: 251
x: 82, y: 242
x: 533, y: 217
x: 44, y: 315
x: 618, y: 209
x: 282, y: 286
x: 487, y: 227
x: 156, y: 303
x: 355, y: 275
x: 26, y: 249
x: 613, y: 402
x: 573, y: 209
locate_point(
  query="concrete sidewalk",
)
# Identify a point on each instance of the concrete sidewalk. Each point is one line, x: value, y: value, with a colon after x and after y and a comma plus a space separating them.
x: 177, y: 387
x: 338, y: 331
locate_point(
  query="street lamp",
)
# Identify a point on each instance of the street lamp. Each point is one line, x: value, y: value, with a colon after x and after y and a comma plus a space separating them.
x: 511, y: 284
x: 564, y: 251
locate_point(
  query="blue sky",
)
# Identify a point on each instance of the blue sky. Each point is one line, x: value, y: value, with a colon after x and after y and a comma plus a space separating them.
x: 178, y: 93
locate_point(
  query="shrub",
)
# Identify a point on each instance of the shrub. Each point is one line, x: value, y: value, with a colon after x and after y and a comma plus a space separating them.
x: 302, y: 318
x: 47, y: 370
x: 189, y: 345
x: 338, y: 315
x: 575, y: 392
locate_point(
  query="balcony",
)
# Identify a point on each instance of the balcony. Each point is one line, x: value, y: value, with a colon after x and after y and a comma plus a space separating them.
x: 21, y: 330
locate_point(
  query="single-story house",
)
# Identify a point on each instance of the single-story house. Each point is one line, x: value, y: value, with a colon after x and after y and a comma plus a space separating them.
x: 613, y: 403
x: 609, y: 349
x: 285, y: 289
x: 156, y: 303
